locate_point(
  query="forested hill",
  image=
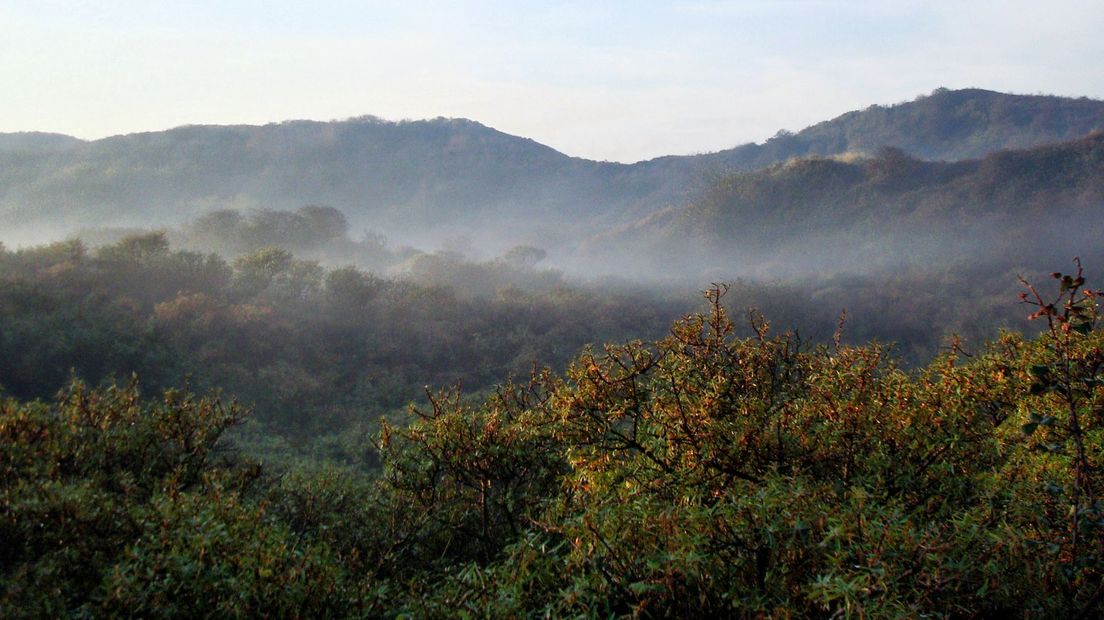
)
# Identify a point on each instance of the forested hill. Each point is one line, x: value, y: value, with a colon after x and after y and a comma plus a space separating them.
x: 858, y: 214
x: 449, y: 176
x: 945, y: 125
x: 385, y: 175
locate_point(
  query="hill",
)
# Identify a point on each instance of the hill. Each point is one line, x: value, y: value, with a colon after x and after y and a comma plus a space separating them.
x: 857, y: 214
x: 401, y: 177
x: 945, y: 125
x: 419, y: 181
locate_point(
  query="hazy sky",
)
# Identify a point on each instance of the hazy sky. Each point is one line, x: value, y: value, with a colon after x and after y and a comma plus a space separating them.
x: 619, y: 80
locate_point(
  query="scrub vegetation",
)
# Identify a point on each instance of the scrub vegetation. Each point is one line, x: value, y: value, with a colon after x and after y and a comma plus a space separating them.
x: 426, y: 369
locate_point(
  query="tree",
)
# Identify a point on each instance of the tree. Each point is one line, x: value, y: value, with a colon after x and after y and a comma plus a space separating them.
x: 255, y: 271
x: 323, y: 224
x: 139, y: 249
x: 524, y: 256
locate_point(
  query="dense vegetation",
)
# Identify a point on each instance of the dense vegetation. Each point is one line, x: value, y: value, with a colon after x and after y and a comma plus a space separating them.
x: 700, y: 474
x: 317, y: 349
x: 863, y: 454
x: 309, y: 347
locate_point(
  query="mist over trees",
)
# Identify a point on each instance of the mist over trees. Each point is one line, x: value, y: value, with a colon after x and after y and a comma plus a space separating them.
x: 1020, y: 209
x: 302, y: 343
x: 313, y: 231
x: 422, y: 369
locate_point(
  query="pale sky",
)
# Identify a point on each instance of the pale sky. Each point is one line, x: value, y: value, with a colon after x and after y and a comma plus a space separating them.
x: 617, y: 80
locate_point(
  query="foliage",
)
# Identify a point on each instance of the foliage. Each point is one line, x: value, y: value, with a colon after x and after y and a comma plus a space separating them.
x: 703, y: 474
x: 716, y: 476
x: 722, y: 470
x: 314, y: 349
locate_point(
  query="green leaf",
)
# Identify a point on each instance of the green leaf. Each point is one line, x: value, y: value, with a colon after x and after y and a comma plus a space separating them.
x: 1029, y: 428
x: 640, y: 588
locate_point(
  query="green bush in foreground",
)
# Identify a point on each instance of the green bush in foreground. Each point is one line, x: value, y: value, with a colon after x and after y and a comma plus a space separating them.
x: 110, y: 505
x: 710, y: 475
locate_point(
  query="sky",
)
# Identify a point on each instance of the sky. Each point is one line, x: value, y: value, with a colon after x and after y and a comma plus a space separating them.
x: 614, y: 80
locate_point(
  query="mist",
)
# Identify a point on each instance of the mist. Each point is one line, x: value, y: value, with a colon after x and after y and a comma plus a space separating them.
x: 321, y: 272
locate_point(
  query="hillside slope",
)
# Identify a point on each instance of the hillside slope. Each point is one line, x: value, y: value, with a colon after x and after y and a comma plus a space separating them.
x: 858, y: 214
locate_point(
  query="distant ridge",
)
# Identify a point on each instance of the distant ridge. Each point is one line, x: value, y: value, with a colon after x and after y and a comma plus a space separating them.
x: 459, y: 177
